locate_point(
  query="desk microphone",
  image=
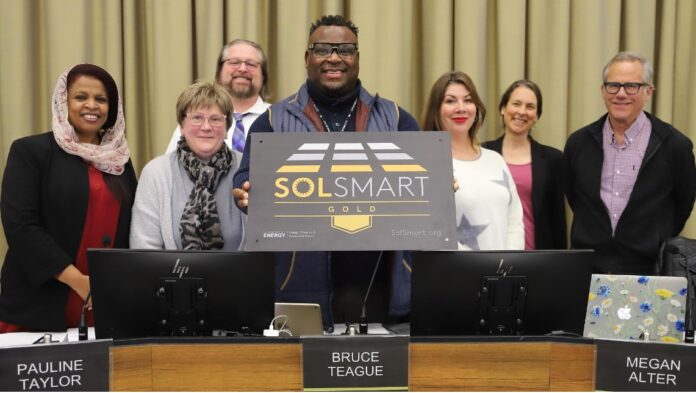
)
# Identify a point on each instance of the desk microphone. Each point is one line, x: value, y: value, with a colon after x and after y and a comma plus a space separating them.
x: 689, y: 328
x: 82, y: 328
x: 362, y: 326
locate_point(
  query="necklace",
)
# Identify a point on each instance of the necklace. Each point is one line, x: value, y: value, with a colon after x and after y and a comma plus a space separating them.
x: 345, y: 123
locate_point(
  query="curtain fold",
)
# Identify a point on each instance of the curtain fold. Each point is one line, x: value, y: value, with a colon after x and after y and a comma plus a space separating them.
x: 155, y: 48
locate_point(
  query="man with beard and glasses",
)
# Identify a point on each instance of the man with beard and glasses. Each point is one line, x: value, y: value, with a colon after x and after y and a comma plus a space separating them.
x: 242, y: 69
x: 334, y: 100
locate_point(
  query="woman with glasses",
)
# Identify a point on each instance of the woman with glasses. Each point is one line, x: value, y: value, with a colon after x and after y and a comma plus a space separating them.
x: 535, y: 168
x: 63, y: 192
x: 488, y: 210
x: 184, y: 199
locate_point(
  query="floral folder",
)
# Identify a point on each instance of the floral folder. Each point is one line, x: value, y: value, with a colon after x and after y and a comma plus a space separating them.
x: 636, y: 308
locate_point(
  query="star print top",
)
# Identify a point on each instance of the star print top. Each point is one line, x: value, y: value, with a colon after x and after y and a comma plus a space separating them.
x: 489, y: 211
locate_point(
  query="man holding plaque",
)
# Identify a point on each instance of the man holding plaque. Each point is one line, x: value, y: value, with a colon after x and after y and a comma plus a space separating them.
x: 333, y: 100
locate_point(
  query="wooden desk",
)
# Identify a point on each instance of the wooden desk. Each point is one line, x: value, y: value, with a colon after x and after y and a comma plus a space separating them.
x: 208, y: 365
x: 455, y: 364
x: 487, y: 365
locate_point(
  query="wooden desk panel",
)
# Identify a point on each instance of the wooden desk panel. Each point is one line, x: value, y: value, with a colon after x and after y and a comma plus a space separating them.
x: 268, y: 366
x: 479, y: 366
x: 572, y: 367
x: 131, y: 368
x: 224, y: 367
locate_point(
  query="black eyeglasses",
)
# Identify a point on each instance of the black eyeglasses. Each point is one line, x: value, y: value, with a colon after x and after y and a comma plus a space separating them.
x: 325, y: 49
x: 630, y: 87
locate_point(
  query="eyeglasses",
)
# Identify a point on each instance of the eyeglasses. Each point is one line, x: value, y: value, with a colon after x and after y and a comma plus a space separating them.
x: 197, y: 119
x: 237, y: 63
x: 630, y: 87
x: 325, y: 49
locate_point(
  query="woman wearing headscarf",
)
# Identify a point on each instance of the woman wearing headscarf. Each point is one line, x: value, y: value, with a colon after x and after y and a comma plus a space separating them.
x: 184, y: 200
x: 62, y: 192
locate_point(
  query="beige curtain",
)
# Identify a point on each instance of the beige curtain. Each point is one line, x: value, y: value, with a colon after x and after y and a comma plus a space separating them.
x: 155, y: 48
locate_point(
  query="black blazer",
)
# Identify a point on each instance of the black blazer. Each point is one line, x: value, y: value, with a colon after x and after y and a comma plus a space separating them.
x: 547, y: 195
x: 43, y: 207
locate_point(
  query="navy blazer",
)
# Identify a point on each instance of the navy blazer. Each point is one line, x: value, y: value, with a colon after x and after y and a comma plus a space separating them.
x: 550, y: 231
x: 44, y: 207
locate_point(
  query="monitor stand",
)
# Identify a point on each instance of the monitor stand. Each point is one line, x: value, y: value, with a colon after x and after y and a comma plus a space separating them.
x: 501, y: 304
x: 182, y: 307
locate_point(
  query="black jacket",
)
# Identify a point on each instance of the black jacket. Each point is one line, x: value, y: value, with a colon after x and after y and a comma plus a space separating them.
x: 547, y: 195
x: 659, y: 205
x: 44, y: 206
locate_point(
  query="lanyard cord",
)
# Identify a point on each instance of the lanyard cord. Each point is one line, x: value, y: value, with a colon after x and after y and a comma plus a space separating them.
x: 345, y: 123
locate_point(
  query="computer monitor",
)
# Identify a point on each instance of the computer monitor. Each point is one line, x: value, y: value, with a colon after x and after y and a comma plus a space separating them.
x: 150, y: 293
x: 499, y: 292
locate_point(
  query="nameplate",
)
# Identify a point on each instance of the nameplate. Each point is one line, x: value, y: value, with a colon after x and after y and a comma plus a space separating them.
x: 320, y: 191
x: 333, y: 363
x: 56, y: 367
x: 644, y: 366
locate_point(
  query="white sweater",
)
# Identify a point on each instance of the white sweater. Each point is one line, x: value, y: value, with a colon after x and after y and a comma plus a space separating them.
x: 489, y: 211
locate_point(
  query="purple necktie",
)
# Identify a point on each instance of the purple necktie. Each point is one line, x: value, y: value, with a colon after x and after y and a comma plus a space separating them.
x: 238, y: 137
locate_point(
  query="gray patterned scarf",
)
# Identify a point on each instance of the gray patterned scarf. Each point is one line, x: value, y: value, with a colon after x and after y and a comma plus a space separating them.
x: 200, y: 223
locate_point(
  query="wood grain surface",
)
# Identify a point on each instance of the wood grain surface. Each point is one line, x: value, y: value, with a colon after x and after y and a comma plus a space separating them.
x: 434, y: 366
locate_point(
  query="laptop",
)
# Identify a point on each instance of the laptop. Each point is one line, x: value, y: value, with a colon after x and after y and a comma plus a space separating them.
x: 301, y: 319
x: 627, y: 307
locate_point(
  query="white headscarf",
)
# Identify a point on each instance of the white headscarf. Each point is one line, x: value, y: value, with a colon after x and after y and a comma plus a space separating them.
x: 110, y: 155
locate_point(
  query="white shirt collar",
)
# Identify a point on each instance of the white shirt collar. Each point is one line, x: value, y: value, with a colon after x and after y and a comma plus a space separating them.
x: 259, y: 106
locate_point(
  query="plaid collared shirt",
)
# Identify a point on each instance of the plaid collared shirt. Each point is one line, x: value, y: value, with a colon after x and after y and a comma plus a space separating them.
x: 622, y: 164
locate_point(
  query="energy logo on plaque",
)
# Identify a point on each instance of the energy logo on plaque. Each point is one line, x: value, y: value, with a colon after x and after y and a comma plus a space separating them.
x: 351, y: 191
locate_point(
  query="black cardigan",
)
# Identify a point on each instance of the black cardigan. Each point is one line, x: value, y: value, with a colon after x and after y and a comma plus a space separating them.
x: 547, y: 195
x: 44, y: 206
x: 659, y: 205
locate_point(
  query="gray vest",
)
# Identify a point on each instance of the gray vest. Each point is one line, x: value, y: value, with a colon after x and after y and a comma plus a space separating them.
x: 288, y: 114
x: 307, y: 275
